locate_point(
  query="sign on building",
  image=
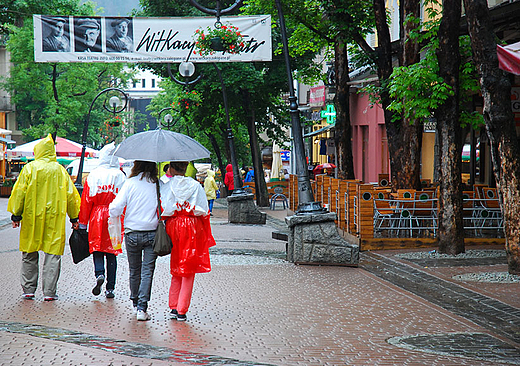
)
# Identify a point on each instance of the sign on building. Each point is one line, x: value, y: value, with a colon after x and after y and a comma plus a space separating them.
x: 156, y: 40
x: 317, y: 96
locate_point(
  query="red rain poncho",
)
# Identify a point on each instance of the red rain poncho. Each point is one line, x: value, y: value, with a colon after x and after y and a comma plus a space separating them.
x: 229, y: 179
x: 187, y: 223
x: 101, y: 187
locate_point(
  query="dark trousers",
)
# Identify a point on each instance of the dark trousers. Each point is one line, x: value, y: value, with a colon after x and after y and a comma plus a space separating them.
x: 99, y: 267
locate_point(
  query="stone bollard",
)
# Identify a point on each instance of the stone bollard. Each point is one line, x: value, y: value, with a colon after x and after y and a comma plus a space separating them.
x: 242, y: 210
x: 314, y: 239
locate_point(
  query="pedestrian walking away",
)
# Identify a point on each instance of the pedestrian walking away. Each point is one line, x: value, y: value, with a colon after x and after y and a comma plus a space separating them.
x: 250, y: 176
x: 210, y: 186
x: 186, y: 211
x: 139, y: 196
x: 40, y: 200
x: 101, y: 187
x: 229, y: 179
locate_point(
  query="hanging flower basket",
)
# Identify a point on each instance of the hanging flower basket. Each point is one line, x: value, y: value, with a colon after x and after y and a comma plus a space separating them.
x: 187, y: 101
x: 225, y: 38
x: 113, y: 121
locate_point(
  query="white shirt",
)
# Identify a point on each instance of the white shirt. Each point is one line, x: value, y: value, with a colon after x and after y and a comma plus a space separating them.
x: 139, y: 196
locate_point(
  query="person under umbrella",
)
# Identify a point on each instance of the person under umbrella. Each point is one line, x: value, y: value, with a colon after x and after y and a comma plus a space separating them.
x: 101, y: 187
x: 139, y: 196
x: 186, y: 211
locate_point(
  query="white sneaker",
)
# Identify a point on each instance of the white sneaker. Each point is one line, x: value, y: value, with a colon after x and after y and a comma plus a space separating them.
x: 99, y: 282
x: 142, y: 315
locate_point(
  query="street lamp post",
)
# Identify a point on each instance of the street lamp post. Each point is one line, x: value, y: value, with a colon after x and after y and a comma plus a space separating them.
x: 186, y: 69
x: 241, y: 208
x: 237, y: 181
x: 167, y: 121
x: 114, y: 106
x: 307, y: 205
x: 314, y: 237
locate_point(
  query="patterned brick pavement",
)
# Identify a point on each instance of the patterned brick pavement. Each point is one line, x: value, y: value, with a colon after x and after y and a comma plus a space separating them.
x: 247, y: 311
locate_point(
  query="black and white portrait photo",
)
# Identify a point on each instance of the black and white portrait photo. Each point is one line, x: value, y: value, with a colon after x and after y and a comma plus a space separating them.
x: 87, y: 35
x: 55, y: 33
x: 119, y: 35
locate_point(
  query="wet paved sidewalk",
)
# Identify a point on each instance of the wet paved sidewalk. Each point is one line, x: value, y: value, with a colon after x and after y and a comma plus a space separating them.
x: 255, y: 309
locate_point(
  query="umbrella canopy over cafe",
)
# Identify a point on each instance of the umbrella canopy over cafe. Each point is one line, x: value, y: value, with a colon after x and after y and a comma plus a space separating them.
x: 64, y: 148
x: 509, y: 58
x: 276, y: 165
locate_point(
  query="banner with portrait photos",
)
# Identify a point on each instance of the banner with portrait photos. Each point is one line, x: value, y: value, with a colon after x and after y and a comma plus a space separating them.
x: 156, y: 40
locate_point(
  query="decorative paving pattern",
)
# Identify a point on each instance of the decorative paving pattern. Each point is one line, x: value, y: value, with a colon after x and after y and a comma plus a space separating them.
x: 500, y: 318
x: 478, y: 346
x: 120, y: 346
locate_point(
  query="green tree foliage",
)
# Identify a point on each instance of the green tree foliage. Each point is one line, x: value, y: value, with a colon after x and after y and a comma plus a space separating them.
x: 264, y: 80
x: 417, y: 90
x: 55, y: 97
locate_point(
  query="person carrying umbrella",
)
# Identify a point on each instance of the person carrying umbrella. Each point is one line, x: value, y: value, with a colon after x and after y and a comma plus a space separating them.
x: 186, y: 211
x: 101, y: 187
x: 139, y: 196
x: 149, y: 148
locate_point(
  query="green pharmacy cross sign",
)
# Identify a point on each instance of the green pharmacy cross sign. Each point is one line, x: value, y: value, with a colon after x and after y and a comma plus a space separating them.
x: 329, y: 114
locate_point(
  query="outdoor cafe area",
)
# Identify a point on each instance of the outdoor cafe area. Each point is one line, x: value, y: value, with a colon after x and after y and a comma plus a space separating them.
x: 376, y: 217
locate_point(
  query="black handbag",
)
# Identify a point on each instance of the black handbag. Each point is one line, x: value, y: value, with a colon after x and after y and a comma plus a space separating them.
x: 162, y: 244
x: 78, y: 242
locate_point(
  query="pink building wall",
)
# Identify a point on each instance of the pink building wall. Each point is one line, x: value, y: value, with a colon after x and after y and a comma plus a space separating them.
x: 369, y: 146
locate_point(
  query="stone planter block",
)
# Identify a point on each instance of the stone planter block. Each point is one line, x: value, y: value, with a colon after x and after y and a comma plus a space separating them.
x: 242, y: 210
x: 314, y: 239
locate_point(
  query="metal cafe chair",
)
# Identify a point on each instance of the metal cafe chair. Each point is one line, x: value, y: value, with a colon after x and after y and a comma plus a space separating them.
x: 404, y: 209
x: 425, y: 212
x: 384, y: 213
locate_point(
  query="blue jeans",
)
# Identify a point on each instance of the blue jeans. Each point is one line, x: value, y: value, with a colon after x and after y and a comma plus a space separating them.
x: 141, y: 263
x: 99, y: 267
x: 210, y: 204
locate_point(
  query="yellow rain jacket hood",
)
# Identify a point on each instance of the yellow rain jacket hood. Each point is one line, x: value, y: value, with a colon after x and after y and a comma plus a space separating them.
x: 42, y: 195
x: 210, y: 186
x: 191, y: 171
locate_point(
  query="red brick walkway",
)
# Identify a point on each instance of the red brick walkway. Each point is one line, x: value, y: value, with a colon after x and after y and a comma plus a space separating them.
x: 278, y: 314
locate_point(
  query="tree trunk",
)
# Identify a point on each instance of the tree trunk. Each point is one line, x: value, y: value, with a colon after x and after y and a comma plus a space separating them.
x: 406, y: 169
x: 404, y: 139
x: 384, y: 70
x: 262, y: 198
x: 343, y: 135
x: 451, y: 226
x: 500, y: 126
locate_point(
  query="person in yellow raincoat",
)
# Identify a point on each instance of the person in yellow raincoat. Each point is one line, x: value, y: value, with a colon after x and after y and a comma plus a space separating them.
x: 211, y: 188
x: 41, y: 197
x: 191, y: 171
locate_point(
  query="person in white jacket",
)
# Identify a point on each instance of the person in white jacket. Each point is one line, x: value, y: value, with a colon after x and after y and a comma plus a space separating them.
x: 187, y: 223
x: 139, y: 196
